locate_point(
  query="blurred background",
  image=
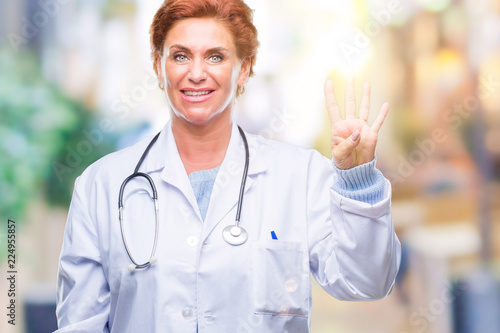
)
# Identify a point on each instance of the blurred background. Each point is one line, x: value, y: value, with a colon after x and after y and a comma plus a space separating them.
x: 76, y: 82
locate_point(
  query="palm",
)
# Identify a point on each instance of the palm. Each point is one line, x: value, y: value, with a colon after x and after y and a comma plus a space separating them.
x: 347, y: 153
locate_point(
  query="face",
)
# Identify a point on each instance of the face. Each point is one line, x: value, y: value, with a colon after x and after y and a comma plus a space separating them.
x: 201, y: 70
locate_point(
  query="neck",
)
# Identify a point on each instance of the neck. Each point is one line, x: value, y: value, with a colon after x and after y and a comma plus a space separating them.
x: 201, y: 147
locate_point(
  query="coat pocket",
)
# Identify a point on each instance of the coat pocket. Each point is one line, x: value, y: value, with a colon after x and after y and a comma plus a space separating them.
x: 281, y: 284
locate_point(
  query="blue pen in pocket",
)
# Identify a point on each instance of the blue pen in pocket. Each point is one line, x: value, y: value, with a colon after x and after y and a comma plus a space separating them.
x: 273, y: 235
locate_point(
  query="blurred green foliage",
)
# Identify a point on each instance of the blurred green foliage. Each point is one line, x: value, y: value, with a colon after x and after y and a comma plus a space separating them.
x: 39, y: 126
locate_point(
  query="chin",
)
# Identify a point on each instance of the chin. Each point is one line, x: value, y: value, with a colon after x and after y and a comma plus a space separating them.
x: 198, y: 118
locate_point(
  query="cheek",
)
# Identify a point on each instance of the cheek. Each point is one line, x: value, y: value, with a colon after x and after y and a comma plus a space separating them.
x: 227, y: 76
x: 174, y: 74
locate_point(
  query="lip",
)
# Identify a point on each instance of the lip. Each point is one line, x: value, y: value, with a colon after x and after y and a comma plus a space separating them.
x: 196, y: 99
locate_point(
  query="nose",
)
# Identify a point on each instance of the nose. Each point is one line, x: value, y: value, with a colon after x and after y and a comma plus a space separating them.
x: 197, y: 71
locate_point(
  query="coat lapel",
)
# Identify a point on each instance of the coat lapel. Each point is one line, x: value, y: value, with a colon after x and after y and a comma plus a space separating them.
x: 225, y: 193
x: 165, y: 154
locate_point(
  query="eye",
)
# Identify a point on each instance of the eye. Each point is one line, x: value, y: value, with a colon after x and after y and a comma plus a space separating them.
x: 216, y: 58
x: 180, y: 57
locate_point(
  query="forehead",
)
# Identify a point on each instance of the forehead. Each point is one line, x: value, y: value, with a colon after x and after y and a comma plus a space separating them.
x: 198, y: 34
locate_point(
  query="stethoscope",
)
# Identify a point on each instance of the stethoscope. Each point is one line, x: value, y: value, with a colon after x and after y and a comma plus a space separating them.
x: 232, y: 234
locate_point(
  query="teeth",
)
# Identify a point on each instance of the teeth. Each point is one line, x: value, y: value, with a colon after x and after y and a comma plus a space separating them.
x: 196, y: 93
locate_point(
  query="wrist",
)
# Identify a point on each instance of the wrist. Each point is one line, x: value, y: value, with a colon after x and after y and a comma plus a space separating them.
x: 363, y: 182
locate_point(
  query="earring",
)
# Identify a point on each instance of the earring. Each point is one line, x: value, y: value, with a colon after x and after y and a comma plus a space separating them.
x: 240, y: 90
x: 160, y: 84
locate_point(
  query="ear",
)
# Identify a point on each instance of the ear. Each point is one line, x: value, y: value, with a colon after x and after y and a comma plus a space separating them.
x: 159, y: 71
x: 244, y: 71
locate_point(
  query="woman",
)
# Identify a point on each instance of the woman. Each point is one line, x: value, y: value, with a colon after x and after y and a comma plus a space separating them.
x: 300, y: 213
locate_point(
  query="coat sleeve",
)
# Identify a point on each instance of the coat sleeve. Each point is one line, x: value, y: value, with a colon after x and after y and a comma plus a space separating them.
x: 82, y: 290
x: 354, y: 253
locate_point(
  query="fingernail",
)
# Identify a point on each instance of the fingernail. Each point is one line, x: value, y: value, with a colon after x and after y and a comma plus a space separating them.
x: 355, y: 136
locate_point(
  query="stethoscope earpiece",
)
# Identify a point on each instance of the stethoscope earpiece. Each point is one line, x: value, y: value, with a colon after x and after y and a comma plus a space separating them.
x: 153, y: 260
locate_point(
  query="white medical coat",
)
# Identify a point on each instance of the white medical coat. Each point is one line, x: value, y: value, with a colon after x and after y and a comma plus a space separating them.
x: 200, y: 280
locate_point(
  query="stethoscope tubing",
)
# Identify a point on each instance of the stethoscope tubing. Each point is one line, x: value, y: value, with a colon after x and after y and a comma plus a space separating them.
x: 120, y: 207
x: 244, y: 178
x: 242, y: 235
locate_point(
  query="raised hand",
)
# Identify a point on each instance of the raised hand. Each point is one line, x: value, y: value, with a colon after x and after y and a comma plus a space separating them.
x: 353, y: 140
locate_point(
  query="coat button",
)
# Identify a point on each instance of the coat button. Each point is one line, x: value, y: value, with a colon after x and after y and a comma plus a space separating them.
x: 187, y: 313
x: 192, y: 241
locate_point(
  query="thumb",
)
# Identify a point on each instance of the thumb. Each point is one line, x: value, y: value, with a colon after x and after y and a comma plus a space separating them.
x: 344, y: 149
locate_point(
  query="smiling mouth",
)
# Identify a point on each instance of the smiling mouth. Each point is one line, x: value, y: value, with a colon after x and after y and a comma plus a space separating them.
x: 196, y: 93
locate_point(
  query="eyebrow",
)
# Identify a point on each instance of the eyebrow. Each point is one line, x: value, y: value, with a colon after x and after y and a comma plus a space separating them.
x: 214, y: 49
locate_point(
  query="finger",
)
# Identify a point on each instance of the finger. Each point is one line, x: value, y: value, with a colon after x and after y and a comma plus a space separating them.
x: 344, y: 149
x: 331, y: 102
x: 381, y: 117
x: 336, y: 140
x: 350, y: 99
x: 364, y: 108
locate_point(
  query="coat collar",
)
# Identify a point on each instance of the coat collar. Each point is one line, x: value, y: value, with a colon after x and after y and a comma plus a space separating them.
x: 164, y: 156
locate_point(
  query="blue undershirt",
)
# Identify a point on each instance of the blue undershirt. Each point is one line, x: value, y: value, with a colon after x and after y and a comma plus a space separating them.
x: 362, y: 183
x: 202, y: 183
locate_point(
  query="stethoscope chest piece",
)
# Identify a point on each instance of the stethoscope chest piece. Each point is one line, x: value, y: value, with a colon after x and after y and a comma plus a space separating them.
x: 234, y: 235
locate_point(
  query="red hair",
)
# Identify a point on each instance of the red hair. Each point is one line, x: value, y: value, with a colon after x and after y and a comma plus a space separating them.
x: 234, y: 14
